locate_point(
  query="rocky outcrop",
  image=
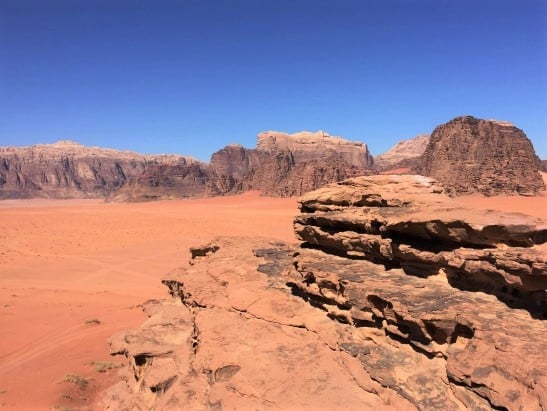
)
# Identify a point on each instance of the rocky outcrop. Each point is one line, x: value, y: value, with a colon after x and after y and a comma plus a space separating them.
x: 464, y: 288
x: 287, y: 164
x: 469, y: 155
x: 69, y: 170
x: 382, y: 306
x: 404, y: 154
x: 233, y: 336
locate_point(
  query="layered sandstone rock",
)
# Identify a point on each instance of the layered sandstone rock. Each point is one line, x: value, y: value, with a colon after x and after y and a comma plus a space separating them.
x: 465, y: 288
x: 69, y: 170
x: 404, y: 154
x: 287, y: 164
x: 382, y: 306
x: 489, y: 157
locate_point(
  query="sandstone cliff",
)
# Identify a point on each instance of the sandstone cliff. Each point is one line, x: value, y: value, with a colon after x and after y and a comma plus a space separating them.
x: 69, y: 170
x: 396, y: 299
x: 281, y: 165
x: 403, y: 154
x: 306, y: 146
x: 469, y: 155
x: 287, y: 164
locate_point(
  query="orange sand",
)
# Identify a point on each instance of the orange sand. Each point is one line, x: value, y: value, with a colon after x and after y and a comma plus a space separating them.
x: 535, y: 206
x: 65, y: 262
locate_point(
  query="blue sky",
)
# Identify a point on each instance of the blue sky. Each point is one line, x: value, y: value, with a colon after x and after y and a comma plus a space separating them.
x: 190, y: 77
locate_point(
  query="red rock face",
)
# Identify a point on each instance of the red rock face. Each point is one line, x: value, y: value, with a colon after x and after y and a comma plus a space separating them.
x: 306, y: 147
x: 469, y: 155
x: 285, y: 165
x: 282, y: 165
x: 70, y: 170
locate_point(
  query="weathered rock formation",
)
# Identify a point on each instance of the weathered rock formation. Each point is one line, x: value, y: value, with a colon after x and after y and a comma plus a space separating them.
x: 278, y: 167
x: 469, y: 155
x: 69, y: 170
x: 282, y: 165
x: 382, y: 306
x: 395, y: 255
x: 306, y: 147
x: 233, y: 336
x: 404, y: 154
x: 287, y: 164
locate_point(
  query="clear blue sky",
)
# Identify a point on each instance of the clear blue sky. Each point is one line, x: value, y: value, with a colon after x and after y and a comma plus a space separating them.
x: 189, y: 77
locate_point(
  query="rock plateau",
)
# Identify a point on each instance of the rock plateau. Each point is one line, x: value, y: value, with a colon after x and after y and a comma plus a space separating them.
x: 282, y: 165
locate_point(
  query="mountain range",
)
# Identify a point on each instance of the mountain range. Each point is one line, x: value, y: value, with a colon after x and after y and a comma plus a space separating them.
x: 467, y: 155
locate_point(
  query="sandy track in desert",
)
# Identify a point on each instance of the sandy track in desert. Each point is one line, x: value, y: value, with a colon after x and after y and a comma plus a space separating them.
x: 66, y: 263
x: 73, y: 272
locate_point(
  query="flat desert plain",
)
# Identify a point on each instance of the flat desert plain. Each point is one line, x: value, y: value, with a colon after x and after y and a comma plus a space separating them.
x: 73, y: 272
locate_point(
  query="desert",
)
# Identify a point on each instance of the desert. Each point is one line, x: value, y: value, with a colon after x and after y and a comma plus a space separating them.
x: 242, y: 244
x: 273, y: 205
x: 67, y: 263
x: 77, y: 271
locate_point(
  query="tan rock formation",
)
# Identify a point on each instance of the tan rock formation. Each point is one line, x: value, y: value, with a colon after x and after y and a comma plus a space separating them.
x: 234, y: 337
x: 403, y: 154
x: 410, y: 263
x: 469, y: 155
x: 287, y: 165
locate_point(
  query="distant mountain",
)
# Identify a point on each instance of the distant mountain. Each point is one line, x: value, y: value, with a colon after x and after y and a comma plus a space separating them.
x: 70, y: 170
x: 489, y: 157
x: 281, y: 165
x: 466, y: 155
x: 402, y: 154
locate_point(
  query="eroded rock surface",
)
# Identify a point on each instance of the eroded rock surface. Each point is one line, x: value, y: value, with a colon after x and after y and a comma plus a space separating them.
x: 307, y: 146
x: 233, y: 336
x: 281, y: 165
x: 287, y: 164
x: 393, y: 253
x: 385, y: 305
x: 469, y: 155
